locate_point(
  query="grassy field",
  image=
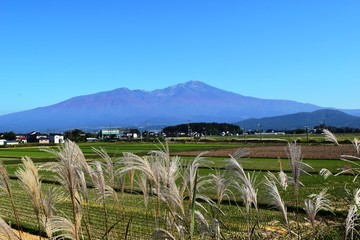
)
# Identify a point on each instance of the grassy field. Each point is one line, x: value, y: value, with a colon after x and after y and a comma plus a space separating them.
x: 130, y: 218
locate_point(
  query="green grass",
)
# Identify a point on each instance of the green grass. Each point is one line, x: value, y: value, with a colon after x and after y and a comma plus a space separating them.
x: 144, y: 222
x: 114, y: 149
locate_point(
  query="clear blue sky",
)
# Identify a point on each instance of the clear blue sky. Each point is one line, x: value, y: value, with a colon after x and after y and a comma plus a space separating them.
x: 307, y: 51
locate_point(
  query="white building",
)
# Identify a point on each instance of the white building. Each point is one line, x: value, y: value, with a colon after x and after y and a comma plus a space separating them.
x: 11, y: 143
x: 56, y: 138
x: 4, y: 142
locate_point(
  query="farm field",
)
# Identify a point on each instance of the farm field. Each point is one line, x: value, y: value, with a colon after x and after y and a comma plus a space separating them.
x: 135, y: 211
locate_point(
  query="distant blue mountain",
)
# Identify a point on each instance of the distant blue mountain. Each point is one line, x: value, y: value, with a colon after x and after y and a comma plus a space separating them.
x: 329, y: 117
x: 192, y: 101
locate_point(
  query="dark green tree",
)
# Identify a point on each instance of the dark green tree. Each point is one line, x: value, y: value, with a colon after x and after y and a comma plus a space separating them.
x: 9, y: 136
x: 75, y: 135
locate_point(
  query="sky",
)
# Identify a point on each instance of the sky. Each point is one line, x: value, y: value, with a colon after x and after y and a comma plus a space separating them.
x: 307, y: 51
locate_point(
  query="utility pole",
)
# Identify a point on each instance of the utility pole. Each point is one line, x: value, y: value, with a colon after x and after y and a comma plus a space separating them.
x: 259, y: 126
x: 307, y: 133
x: 244, y: 133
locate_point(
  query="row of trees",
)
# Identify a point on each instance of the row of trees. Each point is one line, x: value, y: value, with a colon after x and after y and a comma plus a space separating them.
x: 193, y: 129
x: 8, y: 136
x: 202, y: 128
x: 319, y: 129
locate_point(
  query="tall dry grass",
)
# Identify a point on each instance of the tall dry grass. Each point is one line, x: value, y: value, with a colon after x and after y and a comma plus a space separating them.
x: 180, y: 191
x: 70, y: 170
x: 6, y: 187
x: 247, y: 187
x: 30, y: 181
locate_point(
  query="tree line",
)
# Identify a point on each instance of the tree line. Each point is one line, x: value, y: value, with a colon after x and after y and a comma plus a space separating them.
x: 202, y: 128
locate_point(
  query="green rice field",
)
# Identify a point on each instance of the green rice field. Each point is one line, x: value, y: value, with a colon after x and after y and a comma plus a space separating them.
x: 131, y: 216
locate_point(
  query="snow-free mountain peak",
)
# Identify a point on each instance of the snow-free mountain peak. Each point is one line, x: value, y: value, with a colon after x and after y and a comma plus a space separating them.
x: 193, y: 101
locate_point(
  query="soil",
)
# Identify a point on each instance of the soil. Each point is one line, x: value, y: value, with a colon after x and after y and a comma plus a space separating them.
x: 279, y: 151
x: 28, y: 236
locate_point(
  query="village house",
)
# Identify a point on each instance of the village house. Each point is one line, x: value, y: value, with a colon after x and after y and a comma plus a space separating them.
x: 44, y: 138
x: 56, y: 138
x: 37, y: 137
x: 118, y: 134
x: 2, y: 142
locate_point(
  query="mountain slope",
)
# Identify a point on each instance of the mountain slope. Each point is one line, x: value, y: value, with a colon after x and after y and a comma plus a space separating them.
x: 191, y: 101
x: 300, y: 120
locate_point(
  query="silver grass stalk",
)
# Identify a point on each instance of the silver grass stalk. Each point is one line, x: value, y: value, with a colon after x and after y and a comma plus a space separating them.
x: 174, y: 168
x: 295, y: 156
x: 181, y: 231
x: 5, y: 186
x: 173, y: 199
x: 48, y: 201
x: 315, y: 203
x: 247, y: 185
x: 283, y: 178
x: 356, y: 144
x: 143, y: 185
x: 162, y: 156
x: 70, y: 152
x: 275, y: 199
x: 325, y: 173
x: 215, y: 229
x: 202, y: 225
x: 352, y: 170
x: 151, y: 169
x: 109, y: 171
x: 192, y: 186
x: 110, y: 178
x: 131, y: 161
x: 329, y: 136
x: 4, y: 180
x: 160, y: 169
x: 350, y: 158
x: 30, y: 182
x: 160, y: 234
x: 205, y: 229
x: 296, y: 162
x: 240, y: 153
x: 6, y: 232
x: 69, y: 169
x: 101, y: 188
x: 248, y: 195
x: 357, y: 197
x: 236, y: 167
x: 272, y: 177
x: 191, y: 181
x: 62, y: 228
x: 220, y: 184
x: 157, y: 170
x: 351, y: 224
x: 82, y: 186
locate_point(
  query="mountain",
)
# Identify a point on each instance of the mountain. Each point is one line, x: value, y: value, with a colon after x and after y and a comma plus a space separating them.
x: 328, y: 117
x: 193, y: 101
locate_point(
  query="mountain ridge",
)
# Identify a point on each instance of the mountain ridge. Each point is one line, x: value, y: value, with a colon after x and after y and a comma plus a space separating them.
x: 329, y: 117
x: 193, y: 101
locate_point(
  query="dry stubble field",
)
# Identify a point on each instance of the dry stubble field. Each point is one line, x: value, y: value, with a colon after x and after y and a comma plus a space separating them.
x: 278, y: 151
